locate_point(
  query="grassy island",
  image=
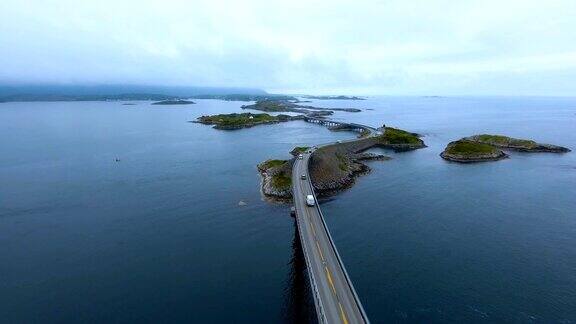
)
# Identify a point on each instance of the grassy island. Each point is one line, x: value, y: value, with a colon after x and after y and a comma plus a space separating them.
x: 516, y: 144
x: 334, y: 97
x: 268, y: 164
x: 237, y: 121
x: 289, y: 106
x: 467, y: 151
x: 272, y: 106
x: 174, y: 102
x: 334, y: 167
x: 400, y: 140
x: 281, y: 181
x: 299, y: 150
x: 470, y: 148
x: 276, y: 178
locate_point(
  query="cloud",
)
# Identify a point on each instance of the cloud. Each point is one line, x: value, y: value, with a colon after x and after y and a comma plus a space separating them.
x: 388, y: 47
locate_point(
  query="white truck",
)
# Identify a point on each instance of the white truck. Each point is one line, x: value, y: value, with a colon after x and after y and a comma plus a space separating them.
x: 310, y: 200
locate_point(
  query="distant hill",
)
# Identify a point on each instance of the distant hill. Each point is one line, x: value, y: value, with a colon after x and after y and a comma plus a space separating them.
x: 115, y: 92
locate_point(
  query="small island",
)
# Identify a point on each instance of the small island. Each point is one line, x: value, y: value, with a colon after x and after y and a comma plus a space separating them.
x: 464, y: 151
x: 245, y: 120
x: 299, y: 150
x: 515, y: 144
x: 174, y: 102
x: 333, y: 97
x: 335, y: 167
x: 276, y: 179
x: 484, y: 147
x: 244, y: 97
x: 288, y: 106
x: 400, y: 140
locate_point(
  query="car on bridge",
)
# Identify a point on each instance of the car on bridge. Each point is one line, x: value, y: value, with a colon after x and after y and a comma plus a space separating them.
x: 310, y: 201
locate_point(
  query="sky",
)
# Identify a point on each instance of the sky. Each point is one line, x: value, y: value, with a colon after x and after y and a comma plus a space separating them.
x: 386, y: 47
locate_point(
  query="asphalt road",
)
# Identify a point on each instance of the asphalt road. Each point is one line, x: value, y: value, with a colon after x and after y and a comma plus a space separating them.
x: 335, y: 298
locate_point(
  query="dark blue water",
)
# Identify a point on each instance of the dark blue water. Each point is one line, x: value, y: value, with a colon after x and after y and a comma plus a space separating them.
x: 159, y: 235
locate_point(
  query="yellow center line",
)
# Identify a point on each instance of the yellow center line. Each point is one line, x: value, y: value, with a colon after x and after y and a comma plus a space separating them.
x: 343, y: 314
x: 328, y: 273
x: 330, y: 281
x: 320, y: 251
x: 313, y: 230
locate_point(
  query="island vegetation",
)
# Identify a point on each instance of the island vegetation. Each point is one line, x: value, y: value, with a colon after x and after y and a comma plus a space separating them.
x: 333, y: 97
x: 244, y: 120
x: 335, y: 167
x: 288, y: 106
x: 245, y: 97
x: 174, y: 102
x: 464, y: 151
x: 484, y: 147
x: 276, y: 179
x: 399, y: 140
x: 299, y: 150
x: 521, y: 145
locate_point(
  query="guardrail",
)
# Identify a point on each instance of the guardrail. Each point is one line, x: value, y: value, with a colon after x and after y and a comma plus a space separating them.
x: 317, y: 303
x: 346, y: 276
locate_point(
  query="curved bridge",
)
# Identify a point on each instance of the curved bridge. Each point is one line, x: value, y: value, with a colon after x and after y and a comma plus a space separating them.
x: 338, y: 125
x: 335, y: 299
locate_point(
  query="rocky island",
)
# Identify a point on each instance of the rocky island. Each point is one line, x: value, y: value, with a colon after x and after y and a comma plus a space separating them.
x: 244, y: 120
x: 515, y: 144
x: 174, y: 102
x: 276, y: 179
x: 333, y: 97
x: 288, y: 106
x: 480, y: 148
x: 335, y: 167
x: 464, y: 151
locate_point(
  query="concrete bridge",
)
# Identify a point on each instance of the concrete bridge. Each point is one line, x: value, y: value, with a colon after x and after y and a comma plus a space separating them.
x: 338, y: 125
x: 335, y: 299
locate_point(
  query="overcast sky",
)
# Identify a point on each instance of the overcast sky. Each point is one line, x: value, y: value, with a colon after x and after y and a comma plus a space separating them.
x: 500, y: 47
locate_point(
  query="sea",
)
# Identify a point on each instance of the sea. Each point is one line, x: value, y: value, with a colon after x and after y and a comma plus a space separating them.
x: 115, y: 213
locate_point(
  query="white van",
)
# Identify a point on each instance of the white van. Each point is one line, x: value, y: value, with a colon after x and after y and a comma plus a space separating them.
x: 310, y: 200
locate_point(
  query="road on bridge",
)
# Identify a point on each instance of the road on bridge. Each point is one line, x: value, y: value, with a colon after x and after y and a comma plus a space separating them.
x: 334, y: 295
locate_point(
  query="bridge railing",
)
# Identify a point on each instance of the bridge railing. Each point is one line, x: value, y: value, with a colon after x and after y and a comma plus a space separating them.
x: 317, y: 303
x: 340, y: 263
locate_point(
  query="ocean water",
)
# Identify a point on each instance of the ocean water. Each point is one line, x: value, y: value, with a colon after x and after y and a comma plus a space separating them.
x: 159, y: 236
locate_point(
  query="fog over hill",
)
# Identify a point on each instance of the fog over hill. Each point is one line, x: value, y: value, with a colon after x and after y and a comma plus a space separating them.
x: 55, y: 92
x: 116, y: 89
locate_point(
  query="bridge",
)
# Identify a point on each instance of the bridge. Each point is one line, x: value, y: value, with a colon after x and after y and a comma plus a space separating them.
x: 338, y: 125
x: 335, y: 299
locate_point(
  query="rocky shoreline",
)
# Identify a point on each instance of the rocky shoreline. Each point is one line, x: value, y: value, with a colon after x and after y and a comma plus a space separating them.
x: 244, y: 120
x: 174, y: 102
x: 516, y: 144
x: 469, y: 152
x: 269, y: 171
x: 482, y: 148
x: 335, y: 167
x: 290, y: 106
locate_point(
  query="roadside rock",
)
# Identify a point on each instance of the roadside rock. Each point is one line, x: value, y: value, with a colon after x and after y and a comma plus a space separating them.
x: 276, y: 179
